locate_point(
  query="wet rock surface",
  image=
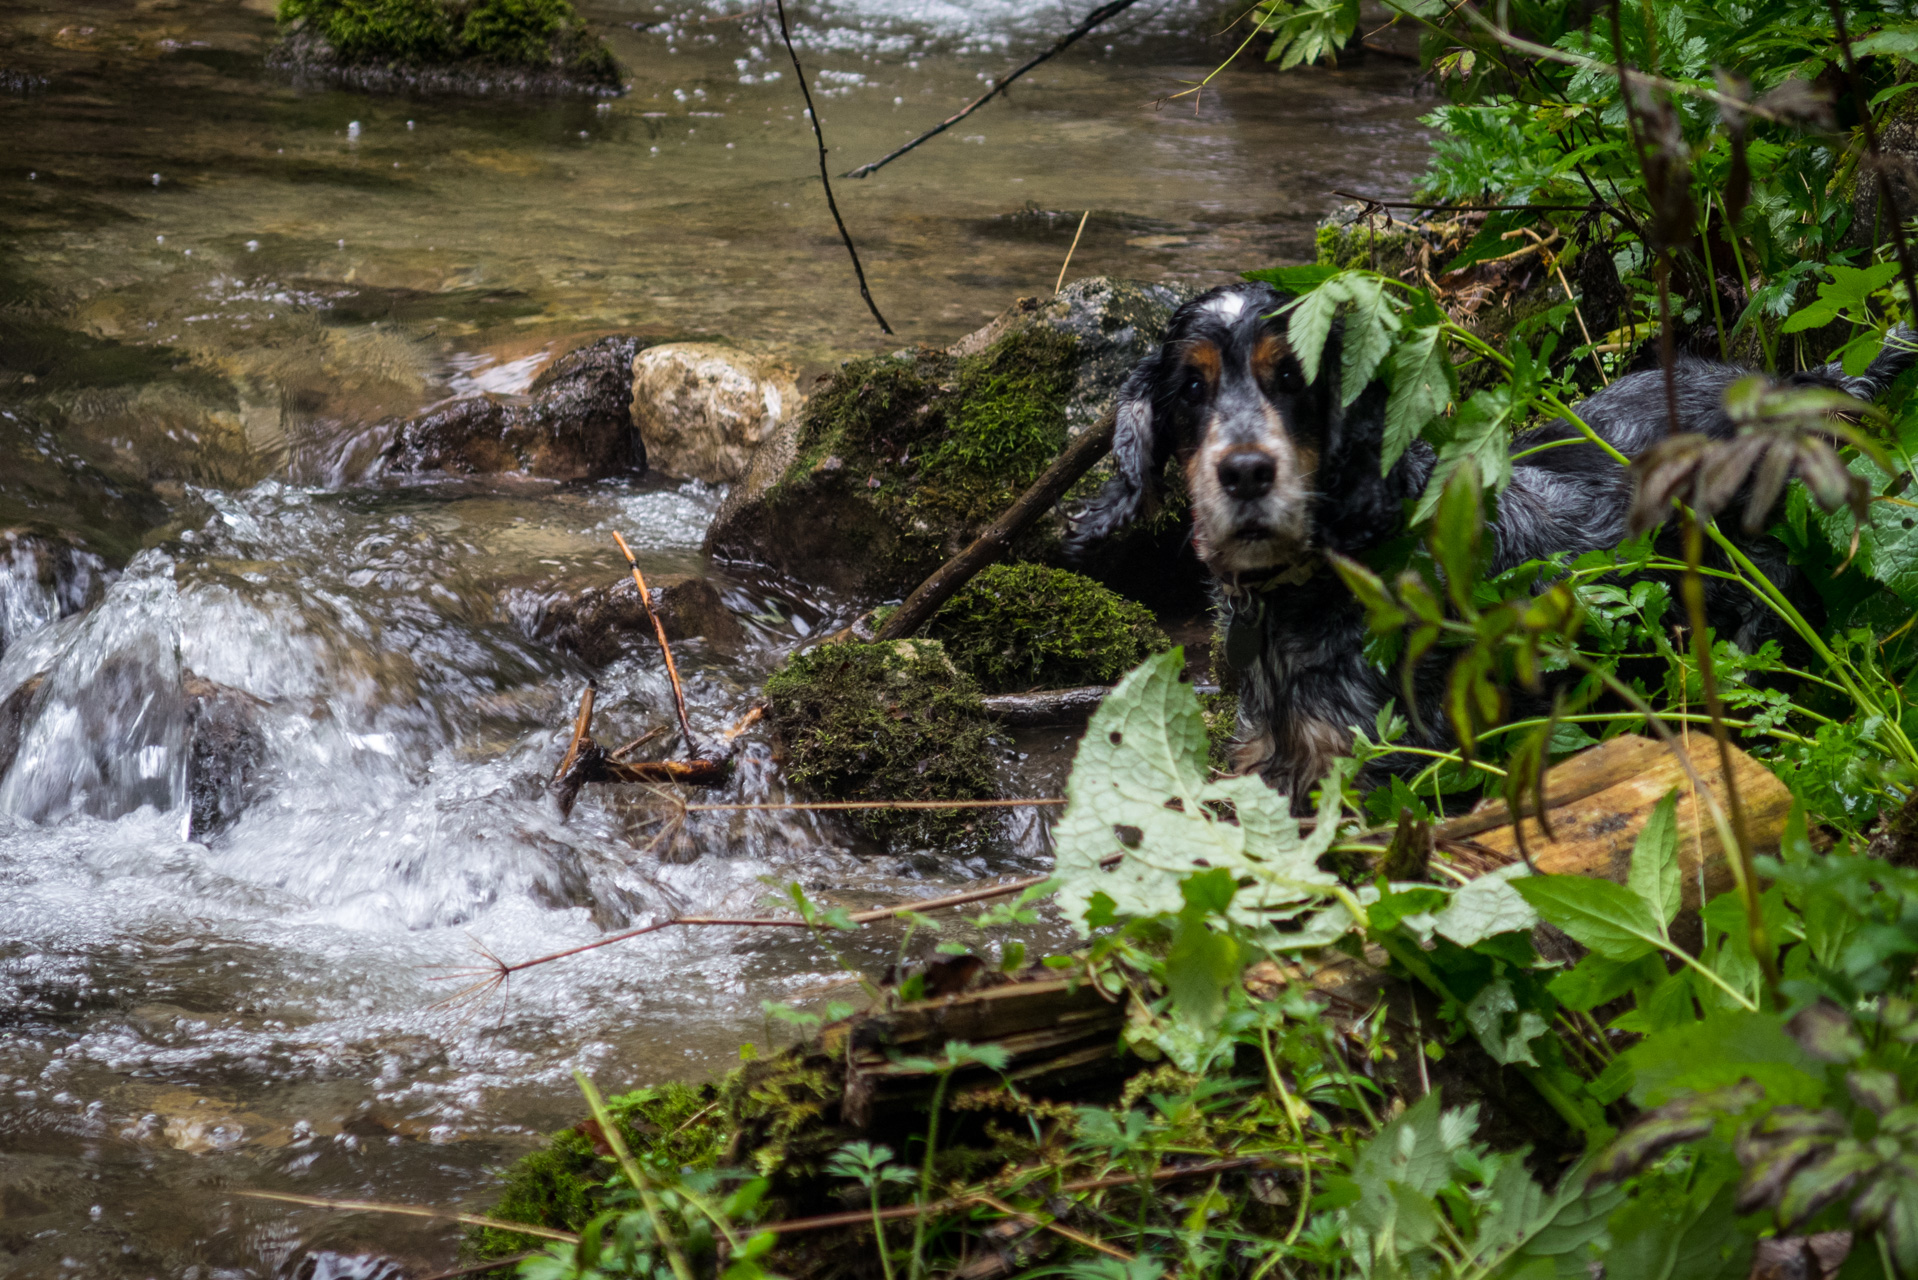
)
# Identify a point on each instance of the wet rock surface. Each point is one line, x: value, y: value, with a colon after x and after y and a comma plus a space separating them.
x: 898, y: 462
x: 703, y: 410
x: 227, y: 748
x: 602, y: 624
x: 44, y: 576
x: 576, y: 424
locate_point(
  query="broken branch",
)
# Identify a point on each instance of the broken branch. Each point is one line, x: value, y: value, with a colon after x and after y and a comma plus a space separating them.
x: 659, y: 629
x: 1059, y: 46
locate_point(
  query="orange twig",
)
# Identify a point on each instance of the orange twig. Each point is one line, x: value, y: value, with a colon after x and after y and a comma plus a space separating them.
x: 659, y: 629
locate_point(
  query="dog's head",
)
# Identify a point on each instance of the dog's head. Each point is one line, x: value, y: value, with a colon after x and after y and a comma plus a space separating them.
x: 1258, y: 444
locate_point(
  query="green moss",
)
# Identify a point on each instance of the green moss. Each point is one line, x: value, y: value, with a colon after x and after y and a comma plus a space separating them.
x: 779, y: 1111
x: 514, y: 33
x: 1024, y: 626
x: 1361, y: 244
x: 559, y: 1185
x: 954, y: 440
x: 886, y: 722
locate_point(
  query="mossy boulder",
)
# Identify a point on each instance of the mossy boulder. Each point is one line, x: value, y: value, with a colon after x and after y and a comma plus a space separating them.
x: 1027, y: 626
x: 476, y: 46
x: 898, y: 462
x: 894, y: 721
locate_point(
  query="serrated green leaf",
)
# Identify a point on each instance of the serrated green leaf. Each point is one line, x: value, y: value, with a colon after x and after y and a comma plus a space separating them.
x: 1608, y: 918
x: 1421, y: 390
x: 1505, y: 1030
x: 1309, y: 324
x: 1655, y: 875
x: 1595, y: 980
x: 1370, y: 323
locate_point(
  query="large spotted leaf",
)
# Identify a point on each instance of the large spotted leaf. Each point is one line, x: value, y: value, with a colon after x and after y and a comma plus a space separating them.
x: 1139, y: 800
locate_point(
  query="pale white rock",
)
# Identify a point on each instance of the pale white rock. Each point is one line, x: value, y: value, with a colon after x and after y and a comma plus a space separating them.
x: 703, y: 409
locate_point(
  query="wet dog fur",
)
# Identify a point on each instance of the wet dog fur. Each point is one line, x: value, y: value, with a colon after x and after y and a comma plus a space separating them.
x: 1278, y: 474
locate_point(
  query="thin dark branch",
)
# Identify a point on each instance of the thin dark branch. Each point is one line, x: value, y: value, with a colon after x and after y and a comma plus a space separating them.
x: 1442, y: 207
x: 1877, y: 161
x: 1086, y: 25
x: 825, y: 178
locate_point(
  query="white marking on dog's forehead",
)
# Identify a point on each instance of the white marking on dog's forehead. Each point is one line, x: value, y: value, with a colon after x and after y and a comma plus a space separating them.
x: 1228, y: 305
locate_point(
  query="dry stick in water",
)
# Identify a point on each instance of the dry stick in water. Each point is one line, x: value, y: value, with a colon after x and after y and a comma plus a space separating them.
x: 1086, y: 25
x: 414, y: 1211
x: 582, y: 732
x: 825, y: 178
x: 659, y: 629
x: 1060, y: 283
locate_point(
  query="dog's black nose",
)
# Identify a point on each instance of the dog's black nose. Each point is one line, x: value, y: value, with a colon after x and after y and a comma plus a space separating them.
x: 1247, y: 474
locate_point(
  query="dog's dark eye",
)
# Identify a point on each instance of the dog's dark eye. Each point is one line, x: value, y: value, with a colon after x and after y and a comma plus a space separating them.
x: 1290, y: 378
x: 1194, y: 389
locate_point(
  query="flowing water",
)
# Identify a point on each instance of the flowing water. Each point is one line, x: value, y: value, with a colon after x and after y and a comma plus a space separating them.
x: 215, y: 290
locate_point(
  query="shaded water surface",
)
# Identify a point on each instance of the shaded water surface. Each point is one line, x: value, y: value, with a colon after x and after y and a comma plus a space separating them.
x: 217, y: 289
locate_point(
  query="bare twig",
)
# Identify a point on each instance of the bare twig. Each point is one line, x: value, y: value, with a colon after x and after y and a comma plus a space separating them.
x: 582, y: 733
x: 1077, y: 1237
x: 637, y: 743
x: 493, y: 976
x: 990, y: 545
x: 1883, y: 179
x: 825, y: 178
x: 1064, y: 42
x: 1442, y: 207
x: 659, y: 629
x: 1060, y: 283
x: 481, y: 1268
x: 414, y: 1211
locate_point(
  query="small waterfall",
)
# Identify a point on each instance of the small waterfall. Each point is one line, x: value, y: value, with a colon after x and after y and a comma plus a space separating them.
x: 105, y: 731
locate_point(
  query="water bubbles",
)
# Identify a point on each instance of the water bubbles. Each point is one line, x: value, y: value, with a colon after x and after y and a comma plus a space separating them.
x: 159, y: 239
x: 156, y: 179
x: 898, y: 102
x: 342, y: 244
x: 582, y: 133
x: 409, y: 126
x: 96, y: 1212
x: 353, y: 131
x: 253, y: 246
x: 32, y: 176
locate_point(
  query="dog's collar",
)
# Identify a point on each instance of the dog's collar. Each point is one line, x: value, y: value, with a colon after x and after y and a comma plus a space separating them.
x: 1264, y: 581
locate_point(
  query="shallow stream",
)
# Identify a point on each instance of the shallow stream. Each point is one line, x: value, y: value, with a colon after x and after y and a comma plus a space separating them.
x: 216, y: 288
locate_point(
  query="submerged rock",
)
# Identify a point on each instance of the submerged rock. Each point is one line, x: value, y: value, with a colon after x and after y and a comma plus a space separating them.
x: 602, y: 624
x: 1025, y: 626
x: 538, y: 47
x: 892, y: 721
x: 577, y: 425
x: 226, y: 749
x: 703, y: 410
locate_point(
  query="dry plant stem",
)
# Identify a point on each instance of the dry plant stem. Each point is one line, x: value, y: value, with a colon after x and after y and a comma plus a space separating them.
x: 1007, y: 889
x: 1694, y: 592
x: 659, y: 630
x: 481, y: 1268
x: 1060, y: 283
x: 1430, y: 207
x: 414, y: 1211
x: 636, y: 743
x: 1086, y: 25
x: 840, y: 805
x: 582, y: 732
x: 990, y: 546
x: 1882, y: 178
x: 860, y: 1217
x: 825, y: 177
x: 1079, y: 1238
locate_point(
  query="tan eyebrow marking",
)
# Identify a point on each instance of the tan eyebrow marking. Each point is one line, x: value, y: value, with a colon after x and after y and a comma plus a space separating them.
x: 1269, y: 352
x: 1204, y: 356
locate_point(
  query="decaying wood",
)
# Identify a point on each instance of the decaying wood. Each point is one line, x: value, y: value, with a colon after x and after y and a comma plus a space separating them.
x: 1047, y: 706
x: 1598, y: 802
x: 990, y: 546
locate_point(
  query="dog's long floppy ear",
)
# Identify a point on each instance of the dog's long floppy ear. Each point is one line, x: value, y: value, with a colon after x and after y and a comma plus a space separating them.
x: 1138, y: 457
